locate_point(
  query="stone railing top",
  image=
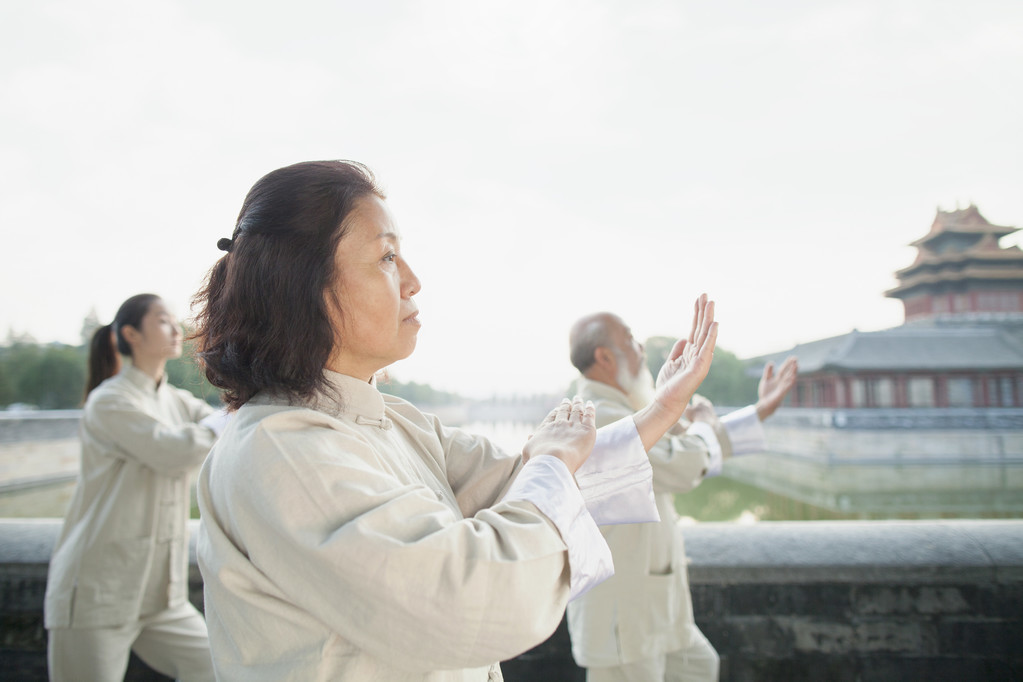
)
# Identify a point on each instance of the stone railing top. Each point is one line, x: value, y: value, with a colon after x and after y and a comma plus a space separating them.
x: 861, y: 551
x: 908, y: 552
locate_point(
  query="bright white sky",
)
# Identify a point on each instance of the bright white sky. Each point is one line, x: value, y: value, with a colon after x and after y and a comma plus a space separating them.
x: 544, y: 158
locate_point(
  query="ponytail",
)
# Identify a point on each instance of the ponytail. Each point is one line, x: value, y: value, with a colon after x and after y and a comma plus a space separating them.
x: 104, y: 362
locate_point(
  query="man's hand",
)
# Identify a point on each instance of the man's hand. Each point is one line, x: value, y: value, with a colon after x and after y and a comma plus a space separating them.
x: 701, y: 410
x: 686, y: 367
x: 774, y: 386
x: 689, y: 361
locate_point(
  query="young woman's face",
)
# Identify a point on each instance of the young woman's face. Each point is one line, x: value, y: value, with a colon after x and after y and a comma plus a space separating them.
x: 378, y: 322
x: 158, y: 336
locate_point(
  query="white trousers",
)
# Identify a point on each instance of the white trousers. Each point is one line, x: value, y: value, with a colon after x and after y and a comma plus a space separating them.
x: 698, y: 662
x: 173, y: 642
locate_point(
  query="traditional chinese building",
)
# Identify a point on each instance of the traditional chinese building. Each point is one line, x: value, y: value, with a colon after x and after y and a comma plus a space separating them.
x: 962, y: 341
x: 923, y: 420
x: 961, y: 272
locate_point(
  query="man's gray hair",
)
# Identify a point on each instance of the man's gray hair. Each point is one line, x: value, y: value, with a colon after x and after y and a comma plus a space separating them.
x: 588, y: 334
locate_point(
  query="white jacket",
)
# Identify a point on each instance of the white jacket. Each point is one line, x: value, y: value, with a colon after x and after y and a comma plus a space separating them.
x: 125, y: 534
x: 356, y: 538
x: 645, y: 609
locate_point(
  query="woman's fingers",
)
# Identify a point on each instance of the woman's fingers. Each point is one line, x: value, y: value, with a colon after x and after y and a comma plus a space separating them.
x: 572, y: 410
x: 589, y: 414
x: 578, y: 408
x: 563, y: 411
x: 582, y: 412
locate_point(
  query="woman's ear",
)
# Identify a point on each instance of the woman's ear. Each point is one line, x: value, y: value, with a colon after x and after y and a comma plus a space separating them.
x: 130, y: 335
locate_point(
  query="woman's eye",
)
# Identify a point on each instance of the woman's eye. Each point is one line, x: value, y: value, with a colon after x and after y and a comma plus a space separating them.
x: 390, y: 257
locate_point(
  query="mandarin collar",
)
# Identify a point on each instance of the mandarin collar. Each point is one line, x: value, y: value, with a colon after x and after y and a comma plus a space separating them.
x: 354, y: 398
x: 142, y: 380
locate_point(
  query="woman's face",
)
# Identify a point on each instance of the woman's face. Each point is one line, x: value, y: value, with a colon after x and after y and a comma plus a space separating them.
x: 378, y: 322
x: 158, y: 336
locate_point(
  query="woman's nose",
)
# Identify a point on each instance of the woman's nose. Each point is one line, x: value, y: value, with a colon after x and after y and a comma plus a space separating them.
x: 410, y: 283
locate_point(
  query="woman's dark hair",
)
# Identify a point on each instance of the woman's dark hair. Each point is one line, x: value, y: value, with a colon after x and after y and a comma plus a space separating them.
x: 262, y: 321
x: 104, y: 362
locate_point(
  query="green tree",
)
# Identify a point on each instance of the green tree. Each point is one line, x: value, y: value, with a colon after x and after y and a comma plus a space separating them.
x: 16, y: 358
x: 418, y: 394
x: 7, y: 390
x: 54, y: 379
x: 185, y: 372
x: 728, y: 382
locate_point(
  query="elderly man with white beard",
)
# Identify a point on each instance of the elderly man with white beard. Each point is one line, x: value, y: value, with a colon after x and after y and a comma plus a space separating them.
x: 638, y: 626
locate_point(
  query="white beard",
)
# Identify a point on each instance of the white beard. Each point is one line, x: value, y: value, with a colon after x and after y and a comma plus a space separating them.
x: 639, y: 388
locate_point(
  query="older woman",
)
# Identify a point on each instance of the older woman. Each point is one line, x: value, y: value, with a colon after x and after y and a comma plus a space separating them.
x: 345, y: 534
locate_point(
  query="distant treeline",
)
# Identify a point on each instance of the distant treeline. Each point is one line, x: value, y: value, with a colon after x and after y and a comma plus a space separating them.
x: 730, y: 382
x: 52, y: 376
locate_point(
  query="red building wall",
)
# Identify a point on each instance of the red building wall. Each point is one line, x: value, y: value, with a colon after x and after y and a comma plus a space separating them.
x: 894, y: 390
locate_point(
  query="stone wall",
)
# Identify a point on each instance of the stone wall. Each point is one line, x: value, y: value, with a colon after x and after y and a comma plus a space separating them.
x: 781, y: 601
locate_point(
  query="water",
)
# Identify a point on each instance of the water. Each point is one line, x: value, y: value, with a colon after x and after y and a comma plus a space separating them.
x: 754, y: 488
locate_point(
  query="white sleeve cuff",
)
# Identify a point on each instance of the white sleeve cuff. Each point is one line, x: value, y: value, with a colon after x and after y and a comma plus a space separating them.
x: 745, y: 430
x: 705, y: 432
x: 617, y: 480
x: 546, y: 482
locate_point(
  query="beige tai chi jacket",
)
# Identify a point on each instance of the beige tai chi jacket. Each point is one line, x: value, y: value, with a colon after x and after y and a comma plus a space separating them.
x: 356, y: 538
x: 645, y: 609
x: 123, y: 549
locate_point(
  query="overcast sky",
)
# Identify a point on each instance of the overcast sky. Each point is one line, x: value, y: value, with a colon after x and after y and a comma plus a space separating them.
x: 544, y: 159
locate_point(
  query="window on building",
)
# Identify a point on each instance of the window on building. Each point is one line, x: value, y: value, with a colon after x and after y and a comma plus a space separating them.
x: 1005, y: 392
x: 988, y: 392
x: 858, y: 389
x: 960, y: 392
x: 821, y: 393
x: 921, y: 392
x: 998, y: 301
x: 884, y: 392
x: 840, y: 393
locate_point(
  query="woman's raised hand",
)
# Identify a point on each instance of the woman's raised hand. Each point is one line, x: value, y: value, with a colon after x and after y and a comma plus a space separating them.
x: 567, y: 433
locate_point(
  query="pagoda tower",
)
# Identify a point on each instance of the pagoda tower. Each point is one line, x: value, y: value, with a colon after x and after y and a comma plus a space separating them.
x: 961, y: 272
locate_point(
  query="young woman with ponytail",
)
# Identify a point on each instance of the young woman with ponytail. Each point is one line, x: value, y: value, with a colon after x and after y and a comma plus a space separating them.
x: 118, y: 577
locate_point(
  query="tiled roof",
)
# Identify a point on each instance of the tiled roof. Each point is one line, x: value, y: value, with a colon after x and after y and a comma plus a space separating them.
x: 913, y: 347
x: 959, y: 278
x: 962, y: 221
x: 978, y: 253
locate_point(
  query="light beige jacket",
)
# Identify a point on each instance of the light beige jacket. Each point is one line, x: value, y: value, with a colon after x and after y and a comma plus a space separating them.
x: 356, y: 538
x: 645, y: 609
x: 140, y: 444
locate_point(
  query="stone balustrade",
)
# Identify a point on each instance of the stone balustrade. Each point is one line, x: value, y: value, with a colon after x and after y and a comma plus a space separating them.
x: 835, y: 601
